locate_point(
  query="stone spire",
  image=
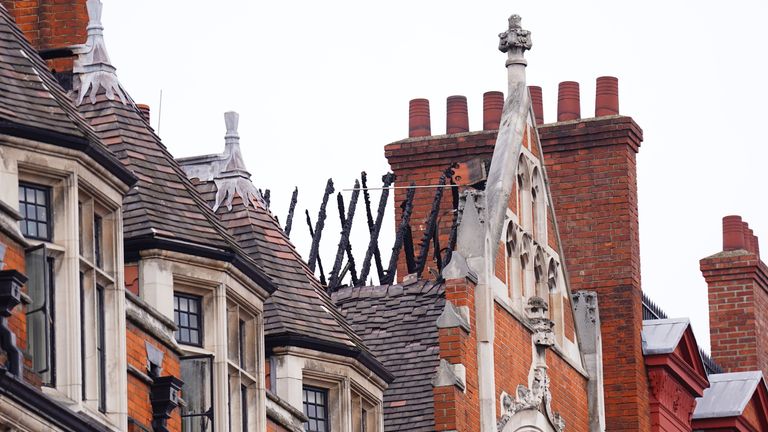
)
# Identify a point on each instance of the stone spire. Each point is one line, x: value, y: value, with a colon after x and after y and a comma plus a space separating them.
x: 501, y: 177
x: 92, y: 67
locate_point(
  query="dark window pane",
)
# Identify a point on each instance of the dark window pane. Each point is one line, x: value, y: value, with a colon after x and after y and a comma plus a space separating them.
x: 315, y: 409
x: 32, y: 229
x: 34, y: 207
x: 187, y: 319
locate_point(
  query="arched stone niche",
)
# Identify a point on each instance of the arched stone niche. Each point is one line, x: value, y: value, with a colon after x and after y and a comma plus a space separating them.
x: 528, y: 421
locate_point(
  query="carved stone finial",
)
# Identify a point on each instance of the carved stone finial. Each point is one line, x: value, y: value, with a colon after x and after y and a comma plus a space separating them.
x: 515, y: 37
x: 92, y: 66
x: 231, y: 120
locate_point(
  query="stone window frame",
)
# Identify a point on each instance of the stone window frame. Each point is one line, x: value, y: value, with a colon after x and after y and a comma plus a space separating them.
x: 198, y: 314
x: 73, y: 385
x: 342, y: 392
x: 325, y: 417
x: 216, y: 301
x: 40, y: 191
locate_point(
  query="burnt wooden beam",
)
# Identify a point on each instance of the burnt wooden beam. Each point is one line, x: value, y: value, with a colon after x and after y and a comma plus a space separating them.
x: 375, y: 230
x: 404, y: 227
x: 291, y: 209
x: 344, y: 244
x: 454, y: 224
x: 319, y: 261
x: 432, y: 223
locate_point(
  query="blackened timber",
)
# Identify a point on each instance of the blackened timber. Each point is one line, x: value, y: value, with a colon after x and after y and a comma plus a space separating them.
x: 319, y: 261
x: 455, y: 224
x: 405, y: 224
x: 410, y: 260
x: 436, y: 248
x: 289, y: 221
x: 431, y: 229
x: 350, y: 266
x: 373, y: 245
x: 267, y: 196
x: 344, y: 245
x: 387, y: 181
x: 319, y: 225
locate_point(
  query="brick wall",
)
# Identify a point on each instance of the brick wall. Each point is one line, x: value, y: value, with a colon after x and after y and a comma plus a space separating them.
x: 274, y: 427
x: 421, y: 161
x: 592, y: 171
x: 139, y: 406
x: 738, y: 301
x: 454, y: 409
x: 51, y: 24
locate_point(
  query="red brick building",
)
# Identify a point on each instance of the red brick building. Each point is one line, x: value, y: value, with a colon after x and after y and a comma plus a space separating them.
x: 139, y: 292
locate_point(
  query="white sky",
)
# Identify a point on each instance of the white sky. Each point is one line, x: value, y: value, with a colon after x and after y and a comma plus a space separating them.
x: 321, y: 87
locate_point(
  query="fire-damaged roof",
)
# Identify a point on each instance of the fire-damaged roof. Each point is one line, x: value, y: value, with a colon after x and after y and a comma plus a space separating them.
x: 299, y: 312
x: 399, y: 324
x: 34, y: 106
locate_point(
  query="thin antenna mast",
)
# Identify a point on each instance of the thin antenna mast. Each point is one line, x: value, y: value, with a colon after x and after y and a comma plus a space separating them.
x: 160, y: 112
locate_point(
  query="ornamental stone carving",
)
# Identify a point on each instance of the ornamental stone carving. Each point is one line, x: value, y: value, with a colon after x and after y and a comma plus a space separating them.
x: 538, y: 397
x: 515, y: 36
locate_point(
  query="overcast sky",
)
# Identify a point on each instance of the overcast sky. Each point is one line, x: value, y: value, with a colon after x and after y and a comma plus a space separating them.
x: 321, y: 87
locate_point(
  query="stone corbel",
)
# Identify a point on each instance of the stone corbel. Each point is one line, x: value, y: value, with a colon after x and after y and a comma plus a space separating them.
x: 448, y: 374
x: 454, y: 316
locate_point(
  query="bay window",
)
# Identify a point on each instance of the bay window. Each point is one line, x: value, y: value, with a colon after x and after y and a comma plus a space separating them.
x: 221, y: 368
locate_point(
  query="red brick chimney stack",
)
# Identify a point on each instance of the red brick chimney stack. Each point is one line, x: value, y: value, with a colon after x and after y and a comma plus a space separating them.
x: 493, y: 104
x: 607, y: 96
x: 144, y: 109
x: 737, y: 282
x: 418, y: 118
x: 538, y: 104
x: 568, y: 101
x: 49, y: 24
x: 592, y: 170
x: 457, y: 119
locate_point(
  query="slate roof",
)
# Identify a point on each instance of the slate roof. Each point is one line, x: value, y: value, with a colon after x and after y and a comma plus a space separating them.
x: 299, y: 312
x: 398, y: 323
x: 661, y: 336
x: 33, y: 105
x: 164, y: 209
x: 728, y: 394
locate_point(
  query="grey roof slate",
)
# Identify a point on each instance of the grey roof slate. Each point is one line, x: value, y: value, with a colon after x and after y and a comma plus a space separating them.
x: 33, y: 104
x: 300, y: 305
x: 661, y: 336
x: 163, y: 210
x: 398, y: 323
x: 728, y: 394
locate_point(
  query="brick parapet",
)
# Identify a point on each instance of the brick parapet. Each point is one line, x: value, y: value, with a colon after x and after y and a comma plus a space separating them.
x: 590, y: 133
